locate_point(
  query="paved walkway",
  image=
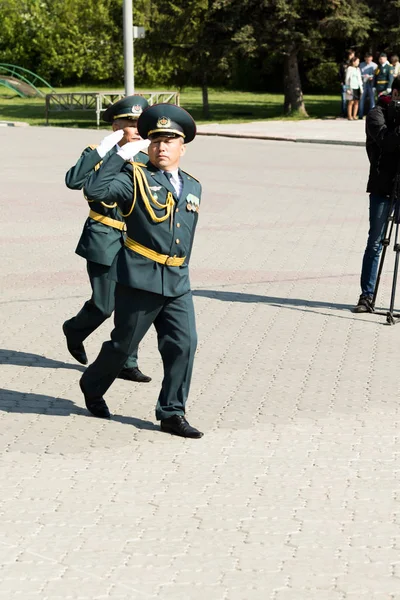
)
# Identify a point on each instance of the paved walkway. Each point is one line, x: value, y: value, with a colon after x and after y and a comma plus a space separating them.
x: 328, y: 131
x: 293, y: 493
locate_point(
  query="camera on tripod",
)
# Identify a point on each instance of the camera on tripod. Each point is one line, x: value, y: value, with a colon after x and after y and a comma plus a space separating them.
x: 394, y: 113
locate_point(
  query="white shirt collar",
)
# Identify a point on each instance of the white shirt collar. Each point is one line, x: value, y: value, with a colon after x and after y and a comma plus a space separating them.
x: 175, y: 174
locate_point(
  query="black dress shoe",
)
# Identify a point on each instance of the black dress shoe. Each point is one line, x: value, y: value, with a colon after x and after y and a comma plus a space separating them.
x: 177, y: 425
x: 77, y: 351
x: 97, y: 406
x: 134, y: 374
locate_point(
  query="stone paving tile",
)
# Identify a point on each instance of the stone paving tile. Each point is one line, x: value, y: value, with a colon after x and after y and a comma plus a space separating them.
x: 293, y: 491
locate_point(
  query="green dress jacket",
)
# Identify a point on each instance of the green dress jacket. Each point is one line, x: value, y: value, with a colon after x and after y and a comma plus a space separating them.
x: 99, y: 242
x: 383, y: 77
x: 156, y: 219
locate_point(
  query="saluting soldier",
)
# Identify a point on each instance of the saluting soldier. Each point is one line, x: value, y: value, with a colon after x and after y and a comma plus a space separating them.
x: 104, y: 233
x: 384, y: 75
x: 160, y: 204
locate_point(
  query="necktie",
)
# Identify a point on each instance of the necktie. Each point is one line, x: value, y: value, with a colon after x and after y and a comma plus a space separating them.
x: 173, y: 182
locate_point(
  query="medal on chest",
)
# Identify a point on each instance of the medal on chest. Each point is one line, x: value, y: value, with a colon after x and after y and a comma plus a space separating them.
x: 192, y: 203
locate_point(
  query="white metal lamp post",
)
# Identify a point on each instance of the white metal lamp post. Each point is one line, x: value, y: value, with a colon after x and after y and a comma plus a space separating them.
x: 138, y: 33
x: 130, y: 33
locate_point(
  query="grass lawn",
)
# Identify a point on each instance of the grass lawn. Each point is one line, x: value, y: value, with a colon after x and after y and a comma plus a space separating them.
x: 225, y: 106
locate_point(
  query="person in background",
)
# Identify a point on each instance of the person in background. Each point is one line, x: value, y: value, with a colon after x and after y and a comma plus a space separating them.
x: 161, y: 204
x: 103, y: 233
x: 367, y: 69
x: 396, y: 65
x: 383, y: 78
x: 354, y: 88
x: 383, y: 149
x: 342, y: 76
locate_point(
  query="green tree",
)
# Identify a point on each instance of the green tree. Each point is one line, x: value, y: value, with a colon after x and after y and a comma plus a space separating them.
x: 385, y: 35
x: 65, y: 40
x: 291, y: 28
x: 195, y: 36
x: 191, y: 42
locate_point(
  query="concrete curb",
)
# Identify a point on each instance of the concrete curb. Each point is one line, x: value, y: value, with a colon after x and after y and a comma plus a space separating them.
x: 249, y: 136
x: 254, y: 136
x: 334, y: 142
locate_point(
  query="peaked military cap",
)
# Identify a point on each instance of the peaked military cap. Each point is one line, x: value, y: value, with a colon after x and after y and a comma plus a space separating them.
x: 168, y: 120
x: 130, y: 107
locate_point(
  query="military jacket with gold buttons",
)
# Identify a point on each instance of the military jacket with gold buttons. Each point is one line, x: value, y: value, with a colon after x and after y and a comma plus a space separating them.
x: 99, y: 242
x: 157, y: 221
x: 383, y: 77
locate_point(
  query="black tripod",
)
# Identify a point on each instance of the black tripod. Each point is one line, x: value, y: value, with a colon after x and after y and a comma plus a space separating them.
x: 393, y: 220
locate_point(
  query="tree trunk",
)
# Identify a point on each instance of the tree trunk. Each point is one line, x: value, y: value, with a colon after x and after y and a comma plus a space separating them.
x: 204, y: 91
x: 292, y: 85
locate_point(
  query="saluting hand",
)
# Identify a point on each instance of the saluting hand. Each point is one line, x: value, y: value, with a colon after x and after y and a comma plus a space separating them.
x: 109, y: 142
x: 129, y: 150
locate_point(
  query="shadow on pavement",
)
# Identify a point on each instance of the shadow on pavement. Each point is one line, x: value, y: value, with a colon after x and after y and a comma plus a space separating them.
x: 27, y: 359
x: 291, y: 302
x: 138, y: 423
x: 26, y: 402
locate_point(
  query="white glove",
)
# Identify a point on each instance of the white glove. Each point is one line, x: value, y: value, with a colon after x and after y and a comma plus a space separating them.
x: 109, y: 142
x: 129, y: 150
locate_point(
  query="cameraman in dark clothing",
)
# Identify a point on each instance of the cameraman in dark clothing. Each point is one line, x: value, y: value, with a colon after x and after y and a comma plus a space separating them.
x: 383, y: 149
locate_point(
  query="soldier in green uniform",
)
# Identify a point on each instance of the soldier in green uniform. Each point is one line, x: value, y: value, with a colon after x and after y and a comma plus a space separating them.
x: 160, y: 204
x: 103, y: 233
x: 384, y: 75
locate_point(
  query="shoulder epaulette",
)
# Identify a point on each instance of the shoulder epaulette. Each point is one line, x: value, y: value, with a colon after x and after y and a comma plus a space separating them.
x: 92, y: 146
x: 190, y: 176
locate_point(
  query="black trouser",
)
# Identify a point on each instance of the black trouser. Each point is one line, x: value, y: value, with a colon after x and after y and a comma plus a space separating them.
x: 96, y: 310
x: 174, y: 320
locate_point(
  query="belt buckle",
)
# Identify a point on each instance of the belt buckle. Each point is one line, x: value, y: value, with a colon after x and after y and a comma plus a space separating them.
x: 170, y: 261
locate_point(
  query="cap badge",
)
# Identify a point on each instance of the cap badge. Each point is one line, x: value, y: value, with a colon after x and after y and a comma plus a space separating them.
x: 164, y: 122
x: 137, y: 108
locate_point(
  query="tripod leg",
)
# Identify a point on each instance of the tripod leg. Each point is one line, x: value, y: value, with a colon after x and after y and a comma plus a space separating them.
x: 385, y: 244
x: 389, y: 317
